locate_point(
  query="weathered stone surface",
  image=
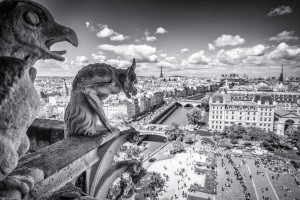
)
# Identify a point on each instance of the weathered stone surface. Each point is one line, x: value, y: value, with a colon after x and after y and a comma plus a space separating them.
x: 26, y: 34
x: 92, y: 84
x: 116, y: 170
x: 69, y: 191
x: 65, y: 160
x: 106, y: 154
x: 45, y: 132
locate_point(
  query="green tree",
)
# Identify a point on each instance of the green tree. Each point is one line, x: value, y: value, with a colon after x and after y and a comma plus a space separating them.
x: 194, y: 116
x: 206, y: 106
x: 174, y: 134
x: 128, y: 151
x: 293, y: 134
x: 189, y: 138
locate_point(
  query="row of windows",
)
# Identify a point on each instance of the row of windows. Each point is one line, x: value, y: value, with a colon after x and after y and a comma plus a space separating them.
x: 241, y: 113
x: 217, y: 122
x: 265, y: 125
x: 266, y: 114
x: 266, y: 109
x: 265, y: 119
x: 216, y: 117
x: 235, y: 95
x: 248, y: 108
x: 220, y: 127
x: 217, y: 107
x: 217, y: 112
x: 248, y: 118
x: 239, y: 108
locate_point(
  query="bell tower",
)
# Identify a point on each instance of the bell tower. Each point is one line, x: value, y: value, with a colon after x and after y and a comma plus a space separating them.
x: 280, y: 79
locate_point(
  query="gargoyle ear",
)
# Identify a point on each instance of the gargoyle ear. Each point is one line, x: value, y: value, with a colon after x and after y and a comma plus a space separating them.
x: 131, y: 69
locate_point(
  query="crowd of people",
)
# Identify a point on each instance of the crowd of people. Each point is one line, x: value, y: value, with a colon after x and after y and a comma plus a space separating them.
x: 237, y: 174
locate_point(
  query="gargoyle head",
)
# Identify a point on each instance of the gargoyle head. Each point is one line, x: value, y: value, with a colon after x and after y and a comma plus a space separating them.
x: 128, y: 85
x: 28, y: 30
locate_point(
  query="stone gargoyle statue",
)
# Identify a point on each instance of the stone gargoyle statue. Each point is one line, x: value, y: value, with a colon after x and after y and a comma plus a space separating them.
x: 27, y: 31
x: 92, y: 84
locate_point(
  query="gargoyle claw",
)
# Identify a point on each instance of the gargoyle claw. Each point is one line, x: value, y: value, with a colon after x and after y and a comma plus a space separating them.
x: 11, y: 184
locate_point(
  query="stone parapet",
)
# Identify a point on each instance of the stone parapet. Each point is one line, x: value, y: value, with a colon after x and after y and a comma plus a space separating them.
x: 45, y: 132
x: 54, y: 166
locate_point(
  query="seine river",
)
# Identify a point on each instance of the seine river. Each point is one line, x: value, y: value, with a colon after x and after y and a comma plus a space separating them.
x: 178, y: 116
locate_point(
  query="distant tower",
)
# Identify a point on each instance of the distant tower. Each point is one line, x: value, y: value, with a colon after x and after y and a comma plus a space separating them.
x: 161, y: 74
x: 66, y: 89
x: 280, y: 79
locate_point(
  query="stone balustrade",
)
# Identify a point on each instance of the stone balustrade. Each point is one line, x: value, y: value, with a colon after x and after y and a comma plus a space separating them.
x: 56, y: 165
x: 44, y: 132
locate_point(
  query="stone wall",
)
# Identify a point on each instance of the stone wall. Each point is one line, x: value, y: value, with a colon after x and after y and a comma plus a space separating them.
x: 44, y: 132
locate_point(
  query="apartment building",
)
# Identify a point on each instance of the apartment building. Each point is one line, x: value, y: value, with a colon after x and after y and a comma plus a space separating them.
x: 224, y: 112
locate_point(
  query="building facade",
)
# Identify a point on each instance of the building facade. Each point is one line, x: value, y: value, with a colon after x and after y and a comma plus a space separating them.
x: 223, y: 112
x: 284, y: 119
x: 113, y: 110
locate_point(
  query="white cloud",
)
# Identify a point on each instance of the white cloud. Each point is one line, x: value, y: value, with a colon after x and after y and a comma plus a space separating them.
x: 211, y: 47
x: 237, y: 55
x: 170, y: 59
x: 90, y: 26
x: 161, y: 30
x: 282, y: 10
x: 119, y: 63
x: 105, y: 32
x: 285, y: 52
x: 163, y: 55
x: 225, y: 40
x: 82, y: 59
x: 118, y: 37
x: 142, y: 53
x: 184, y: 50
x: 150, y: 38
x: 98, y: 57
x: 284, y: 36
x: 198, y: 58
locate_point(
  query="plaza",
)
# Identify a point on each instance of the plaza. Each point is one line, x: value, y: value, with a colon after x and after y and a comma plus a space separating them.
x: 240, y: 174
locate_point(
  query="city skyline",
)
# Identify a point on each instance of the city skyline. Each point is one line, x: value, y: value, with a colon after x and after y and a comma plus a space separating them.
x: 186, y: 38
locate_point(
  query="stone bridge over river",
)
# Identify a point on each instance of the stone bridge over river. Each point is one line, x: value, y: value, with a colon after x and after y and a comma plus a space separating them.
x: 187, y: 102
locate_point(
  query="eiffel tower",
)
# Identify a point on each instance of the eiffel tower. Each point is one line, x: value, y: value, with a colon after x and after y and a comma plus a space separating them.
x: 161, y: 74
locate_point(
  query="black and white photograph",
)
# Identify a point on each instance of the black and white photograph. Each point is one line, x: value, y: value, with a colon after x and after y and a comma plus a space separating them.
x: 149, y: 100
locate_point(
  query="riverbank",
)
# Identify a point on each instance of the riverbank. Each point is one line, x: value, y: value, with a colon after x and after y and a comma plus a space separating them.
x: 164, y: 114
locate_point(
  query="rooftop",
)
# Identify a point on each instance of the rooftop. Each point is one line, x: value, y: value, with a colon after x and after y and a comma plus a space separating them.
x: 263, y: 98
x: 281, y: 112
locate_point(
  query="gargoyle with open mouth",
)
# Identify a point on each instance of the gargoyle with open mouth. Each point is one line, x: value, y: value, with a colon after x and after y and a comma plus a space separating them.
x: 27, y: 31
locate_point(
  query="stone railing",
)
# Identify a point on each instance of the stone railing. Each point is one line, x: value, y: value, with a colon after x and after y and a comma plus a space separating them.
x: 63, y: 162
x: 44, y: 132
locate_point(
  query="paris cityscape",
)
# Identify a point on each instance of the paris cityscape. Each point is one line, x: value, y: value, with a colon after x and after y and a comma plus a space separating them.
x: 161, y: 100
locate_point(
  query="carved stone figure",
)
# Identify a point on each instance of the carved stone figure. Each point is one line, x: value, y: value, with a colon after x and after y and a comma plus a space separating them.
x: 27, y: 32
x: 92, y: 84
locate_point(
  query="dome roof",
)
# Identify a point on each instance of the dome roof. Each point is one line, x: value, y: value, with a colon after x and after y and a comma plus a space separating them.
x: 263, y: 98
x: 217, y: 97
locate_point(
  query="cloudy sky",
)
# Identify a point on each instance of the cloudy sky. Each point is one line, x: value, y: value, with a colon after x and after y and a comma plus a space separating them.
x: 192, y: 38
